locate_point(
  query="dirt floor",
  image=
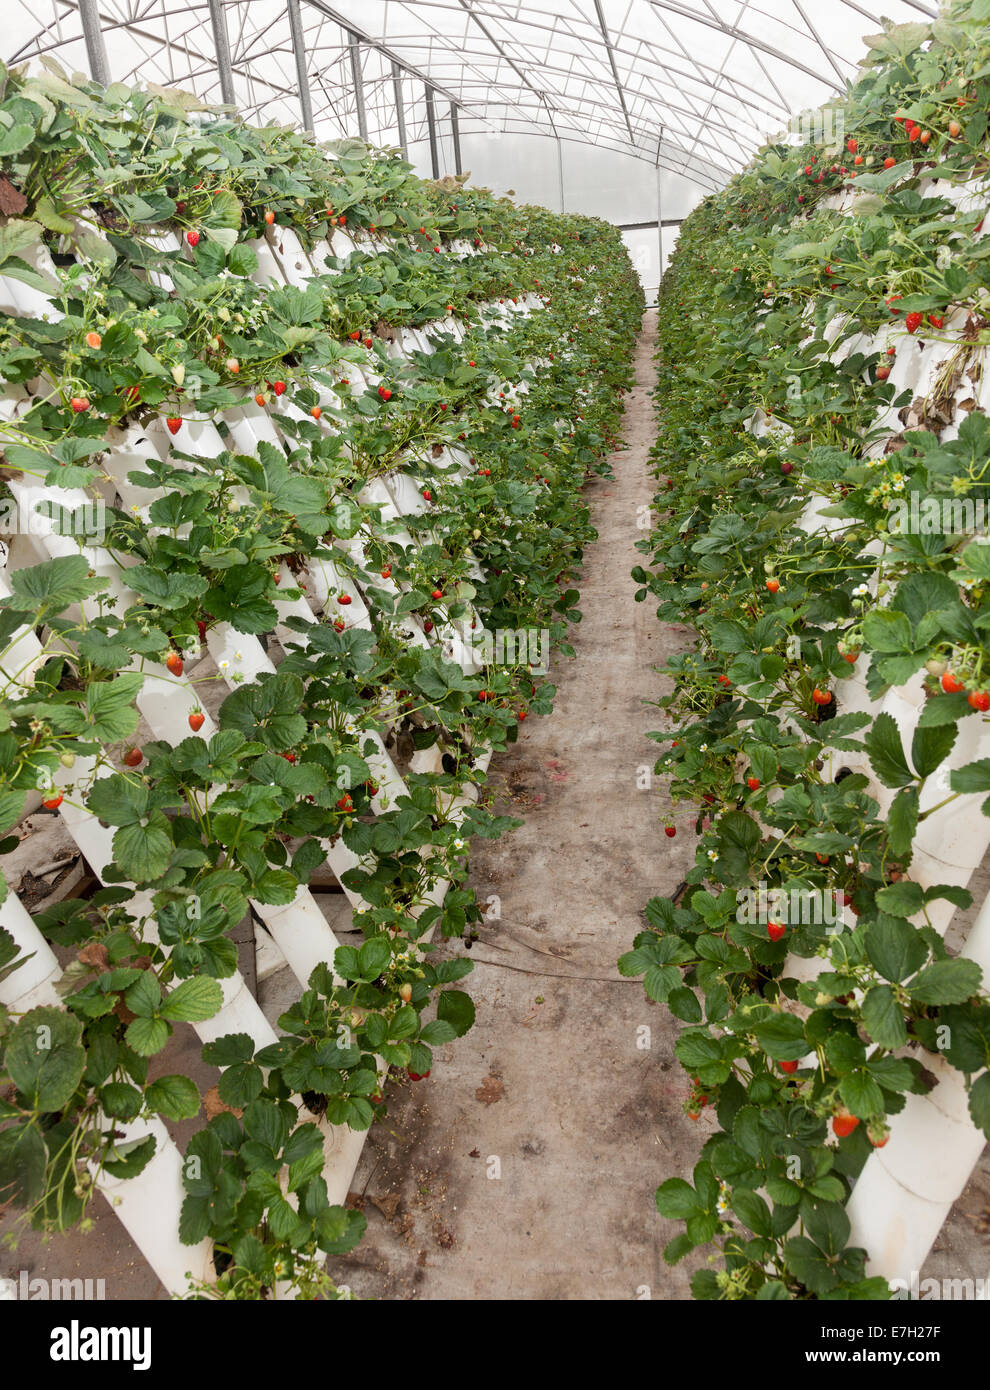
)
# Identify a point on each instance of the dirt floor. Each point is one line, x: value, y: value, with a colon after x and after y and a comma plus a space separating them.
x: 525, y: 1166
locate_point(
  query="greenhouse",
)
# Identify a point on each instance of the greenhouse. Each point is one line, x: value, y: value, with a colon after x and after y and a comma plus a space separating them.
x: 425, y: 423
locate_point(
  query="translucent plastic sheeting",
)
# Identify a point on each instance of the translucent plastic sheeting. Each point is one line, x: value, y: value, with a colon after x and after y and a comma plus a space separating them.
x: 691, y: 86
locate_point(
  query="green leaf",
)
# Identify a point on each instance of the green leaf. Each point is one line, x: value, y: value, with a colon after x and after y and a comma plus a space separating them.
x: 456, y: 1008
x: 974, y: 777
x: 861, y: 1094
x: 827, y: 1224
x: 883, y: 745
x: 677, y: 1200
x: 895, y: 948
x: 339, y: 1230
x: 146, y: 1036
x: 902, y: 899
x: 193, y: 1001
x: 902, y: 822
x: 946, y: 982
x: 752, y: 1211
x: 883, y: 1017
x: 52, y: 586
x: 109, y: 707
x: 144, y: 851
x: 175, y: 1097
x: 228, y: 1050
x: 45, y: 1058
x: 23, y: 1160
x: 931, y: 746
x: 979, y: 1103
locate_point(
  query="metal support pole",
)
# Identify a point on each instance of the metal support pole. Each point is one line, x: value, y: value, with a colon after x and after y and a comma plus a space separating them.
x: 354, y: 43
x: 400, y: 110
x: 659, y: 219
x: 560, y: 170
x: 96, y: 49
x: 455, y: 131
x: 221, y: 45
x: 431, y: 125
x: 302, y: 75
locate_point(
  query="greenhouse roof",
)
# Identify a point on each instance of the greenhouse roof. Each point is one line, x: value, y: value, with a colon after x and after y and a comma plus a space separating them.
x: 693, y: 86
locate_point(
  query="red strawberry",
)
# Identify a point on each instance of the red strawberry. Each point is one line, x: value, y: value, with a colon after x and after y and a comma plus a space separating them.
x: 174, y: 423
x: 889, y: 162
x: 343, y: 599
x: 437, y: 593
x: 843, y: 1124
x: 279, y: 388
x: 316, y: 412
x: 773, y: 585
x: 789, y: 1067
x: 79, y: 404
x: 883, y: 373
x: 821, y: 697
x: 936, y: 320
x: 417, y: 1076
x: 670, y: 831
x: 980, y: 700
x: 345, y: 803
x: 428, y: 625
x: 196, y: 720
x: 174, y: 663
x: 753, y: 783
x: 269, y: 218
x: 387, y: 572
x: 385, y: 393
x: 133, y: 757
x: 950, y: 684
x: 53, y: 802
x: 913, y: 322
x: 192, y: 238
x: 775, y: 930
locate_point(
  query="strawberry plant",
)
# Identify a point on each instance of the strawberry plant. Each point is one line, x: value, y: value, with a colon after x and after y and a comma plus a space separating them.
x: 781, y: 539
x: 253, y: 669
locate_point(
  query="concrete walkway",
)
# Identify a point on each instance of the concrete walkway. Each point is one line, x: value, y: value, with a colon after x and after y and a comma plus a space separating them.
x: 525, y: 1166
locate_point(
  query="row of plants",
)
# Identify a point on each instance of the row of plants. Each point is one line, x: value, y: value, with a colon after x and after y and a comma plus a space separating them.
x: 93, y: 180
x: 792, y: 298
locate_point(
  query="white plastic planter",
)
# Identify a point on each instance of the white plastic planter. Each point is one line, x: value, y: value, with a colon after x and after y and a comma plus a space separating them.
x: 906, y: 1190
x: 147, y: 1205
